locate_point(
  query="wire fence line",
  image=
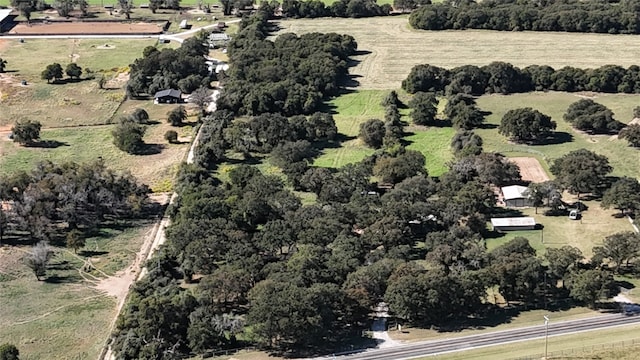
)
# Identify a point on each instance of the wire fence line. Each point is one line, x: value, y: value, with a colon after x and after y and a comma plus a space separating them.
x: 584, y: 350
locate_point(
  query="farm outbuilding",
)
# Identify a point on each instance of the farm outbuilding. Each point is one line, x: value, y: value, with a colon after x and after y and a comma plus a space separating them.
x: 515, y: 196
x: 6, y: 19
x: 218, y: 40
x: 168, y: 96
x: 513, y: 223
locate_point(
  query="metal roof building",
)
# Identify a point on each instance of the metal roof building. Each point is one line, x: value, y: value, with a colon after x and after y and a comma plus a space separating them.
x: 513, y: 223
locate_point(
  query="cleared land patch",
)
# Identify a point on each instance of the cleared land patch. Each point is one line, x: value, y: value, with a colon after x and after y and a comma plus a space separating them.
x: 395, y: 47
x: 530, y: 169
x: 86, y: 28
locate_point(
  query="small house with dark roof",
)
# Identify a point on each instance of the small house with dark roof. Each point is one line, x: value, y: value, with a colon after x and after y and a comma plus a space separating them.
x: 169, y: 96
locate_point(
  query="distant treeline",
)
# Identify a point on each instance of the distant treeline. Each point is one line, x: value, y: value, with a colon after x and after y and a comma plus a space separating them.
x: 504, y: 78
x: 340, y: 8
x: 545, y: 15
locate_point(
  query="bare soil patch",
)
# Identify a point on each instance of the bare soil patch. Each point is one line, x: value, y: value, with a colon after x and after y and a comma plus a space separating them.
x: 530, y: 169
x: 76, y: 28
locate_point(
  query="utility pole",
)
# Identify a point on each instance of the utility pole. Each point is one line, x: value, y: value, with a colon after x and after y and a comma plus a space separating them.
x: 546, y: 335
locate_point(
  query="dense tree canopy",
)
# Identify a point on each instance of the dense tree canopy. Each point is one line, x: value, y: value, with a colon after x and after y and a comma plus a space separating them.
x: 504, y: 78
x: 52, y: 199
x: 266, y: 268
x: 424, y: 108
x: 624, y: 194
x: 25, y: 132
x: 619, y: 248
x: 631, y: 133
x: 581, y: 171
x: 526, y: 125
x: 568, y: 15
x: 587, y: 115
x: 290, y: 75
x: 340, y: 8
x: 164, y: 69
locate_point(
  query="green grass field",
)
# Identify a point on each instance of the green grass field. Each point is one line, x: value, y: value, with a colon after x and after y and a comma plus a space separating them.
x: 395, y: 48
x: 354, y: 108
x: 624, y: 159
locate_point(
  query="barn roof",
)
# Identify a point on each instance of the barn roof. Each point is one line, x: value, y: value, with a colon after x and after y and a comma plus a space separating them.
x: 514, y: 192
x: 169, y: 92
x: 4, y: 13
x: 513, y: 221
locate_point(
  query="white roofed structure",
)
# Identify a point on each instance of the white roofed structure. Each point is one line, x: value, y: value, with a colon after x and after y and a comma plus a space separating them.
x: 515, y: 196
x: 513, y: 223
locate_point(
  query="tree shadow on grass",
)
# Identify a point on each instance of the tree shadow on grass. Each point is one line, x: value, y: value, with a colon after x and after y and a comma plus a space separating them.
x: 558, y: 137
x: 47, y: 144
x: 61, y: 279
x: 333, y: 144
x: 92, y: 253
x: 151, y: 149
x: 486, y: 126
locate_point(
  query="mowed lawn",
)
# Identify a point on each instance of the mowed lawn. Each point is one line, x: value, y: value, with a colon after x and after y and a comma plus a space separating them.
x: 354, y: 108
x: 624, y: 159
x: 393, y: 48
x: 69, y: 103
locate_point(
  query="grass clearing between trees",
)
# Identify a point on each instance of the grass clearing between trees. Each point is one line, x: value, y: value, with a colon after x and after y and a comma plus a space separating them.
x: 596, y: 224
x: 82, y: 144
x: 395, y: 48
x: 352, y: 109
x: 64, y: 317
x: 624, y: 159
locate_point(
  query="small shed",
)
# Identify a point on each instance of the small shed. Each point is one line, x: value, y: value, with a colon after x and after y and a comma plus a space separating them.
x: 169, y: 96
x: 515, y: 196
x: 513, y: 223
x: 184, y: 24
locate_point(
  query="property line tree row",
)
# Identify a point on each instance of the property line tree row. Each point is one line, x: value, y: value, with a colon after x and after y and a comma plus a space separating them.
x: 504, y: 78
x: 511, y: 15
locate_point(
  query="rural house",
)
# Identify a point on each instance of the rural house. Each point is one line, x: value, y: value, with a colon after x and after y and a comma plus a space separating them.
x: 515, y: 196
x: 169, y: 96
x: 513, y: 223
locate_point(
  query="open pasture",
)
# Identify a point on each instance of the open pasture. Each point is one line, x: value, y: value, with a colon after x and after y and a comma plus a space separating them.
x: 68, y: 315
x: 624, y: 159
x: 393, y: 48
x: 88, y: 143
x: 76, y: 103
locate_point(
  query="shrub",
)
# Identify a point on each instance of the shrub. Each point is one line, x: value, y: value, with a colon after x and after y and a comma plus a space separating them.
x: 171, y: 136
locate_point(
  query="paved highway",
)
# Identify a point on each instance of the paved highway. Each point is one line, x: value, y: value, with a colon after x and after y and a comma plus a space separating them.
x: 426, y: 348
